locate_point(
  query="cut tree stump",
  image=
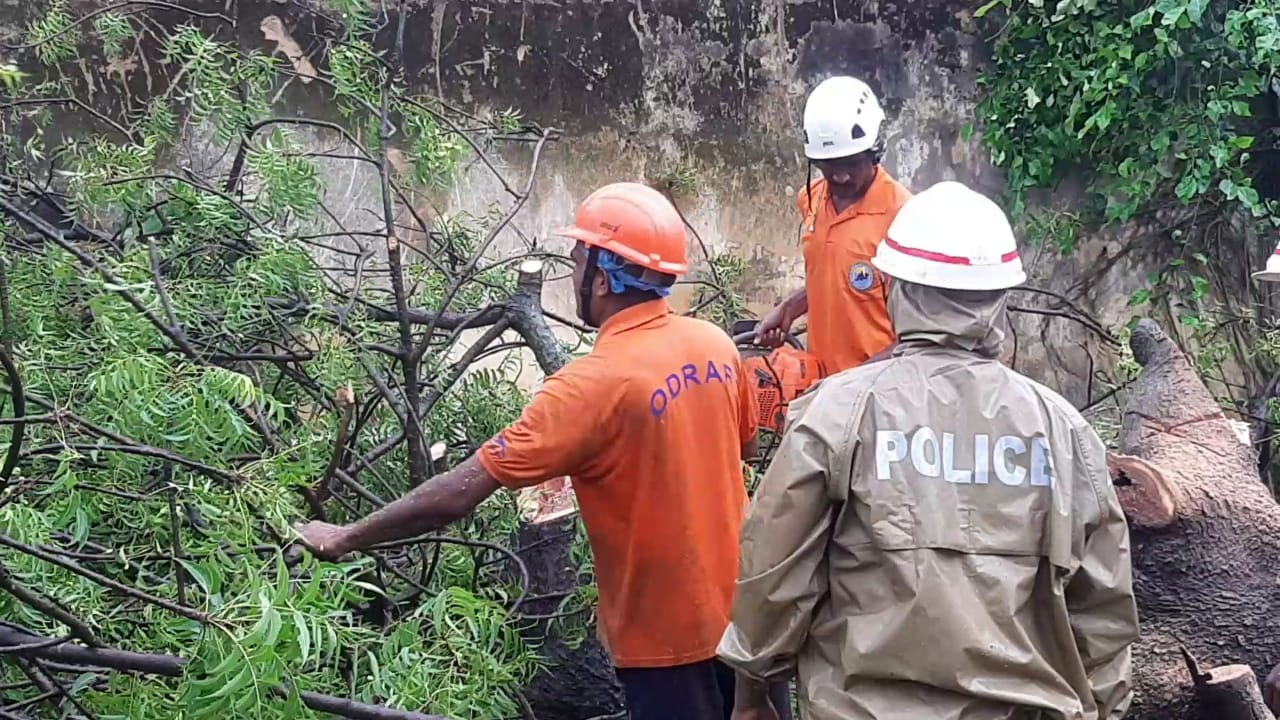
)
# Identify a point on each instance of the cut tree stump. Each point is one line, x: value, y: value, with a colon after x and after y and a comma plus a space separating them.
x: 1227, y: 692
x: 578, y: 681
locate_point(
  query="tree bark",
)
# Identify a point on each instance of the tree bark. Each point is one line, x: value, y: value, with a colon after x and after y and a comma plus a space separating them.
x: 1231, y: 692
x: 524, y: 310
x: 1205, y: 538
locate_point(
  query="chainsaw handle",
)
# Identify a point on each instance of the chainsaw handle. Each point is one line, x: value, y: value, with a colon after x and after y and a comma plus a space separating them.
x: 749, y: 337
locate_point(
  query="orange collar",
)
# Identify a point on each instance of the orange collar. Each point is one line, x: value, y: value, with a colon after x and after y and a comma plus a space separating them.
x: 635, y: 316
x: 877, y: 200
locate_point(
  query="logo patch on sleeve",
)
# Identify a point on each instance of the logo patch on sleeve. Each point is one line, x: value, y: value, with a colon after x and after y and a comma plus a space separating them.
x: 497, y: 447
x: 862, y: 277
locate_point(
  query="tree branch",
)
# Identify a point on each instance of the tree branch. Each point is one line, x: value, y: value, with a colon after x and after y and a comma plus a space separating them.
x: 524, y: 310
x: 103, y: 580
x: 137, y: 449
x: 322, y: 490
x: 515, y: 208
x: 171, y: 666
x: 19, y: 412
x: 46, y: 606
x: 419, y: 463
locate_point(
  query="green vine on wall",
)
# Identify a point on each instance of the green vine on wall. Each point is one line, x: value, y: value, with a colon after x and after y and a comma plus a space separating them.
x: 1151, y: 99
x: 1158, y: 104
x: 1164, y: 105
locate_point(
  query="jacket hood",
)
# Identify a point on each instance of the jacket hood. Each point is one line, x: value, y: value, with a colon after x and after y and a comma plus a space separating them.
x: 975, y: 321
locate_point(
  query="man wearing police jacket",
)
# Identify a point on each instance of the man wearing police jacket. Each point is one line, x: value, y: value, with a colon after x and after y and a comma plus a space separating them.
x: 937, y: 536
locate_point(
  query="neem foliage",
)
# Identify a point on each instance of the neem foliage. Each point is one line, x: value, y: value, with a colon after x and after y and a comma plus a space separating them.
x: 185, y: 312
x: 1150, y: 99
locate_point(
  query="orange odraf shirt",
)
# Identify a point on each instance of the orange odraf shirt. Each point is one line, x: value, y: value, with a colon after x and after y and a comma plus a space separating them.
x: 650, y: 426
x: 848, y: 319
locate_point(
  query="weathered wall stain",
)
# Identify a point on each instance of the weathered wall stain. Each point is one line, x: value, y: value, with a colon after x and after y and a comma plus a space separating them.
x: 641, y: 87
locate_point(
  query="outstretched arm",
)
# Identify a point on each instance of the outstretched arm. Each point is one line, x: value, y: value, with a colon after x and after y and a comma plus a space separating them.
x: 442, y: 500
x: 557, y: 434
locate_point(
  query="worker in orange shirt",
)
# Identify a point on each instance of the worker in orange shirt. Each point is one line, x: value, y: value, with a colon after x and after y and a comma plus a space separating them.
x: 652, y: 426
x: 845, y: 213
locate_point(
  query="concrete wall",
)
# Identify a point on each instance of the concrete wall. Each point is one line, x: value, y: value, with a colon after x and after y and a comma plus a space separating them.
x: 643, y: 87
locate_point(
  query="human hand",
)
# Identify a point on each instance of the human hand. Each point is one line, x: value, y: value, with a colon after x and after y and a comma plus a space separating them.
x: 772, y: 330
x: 324, y: 540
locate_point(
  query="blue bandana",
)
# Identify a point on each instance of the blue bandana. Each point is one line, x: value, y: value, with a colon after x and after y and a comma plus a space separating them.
x: 619, y: 281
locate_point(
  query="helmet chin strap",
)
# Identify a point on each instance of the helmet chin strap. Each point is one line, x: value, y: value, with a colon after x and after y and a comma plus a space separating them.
x: 877, y: 151
x: 588, y: 276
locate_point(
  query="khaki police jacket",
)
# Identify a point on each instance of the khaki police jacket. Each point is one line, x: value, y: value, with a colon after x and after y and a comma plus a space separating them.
x: 938, y: 537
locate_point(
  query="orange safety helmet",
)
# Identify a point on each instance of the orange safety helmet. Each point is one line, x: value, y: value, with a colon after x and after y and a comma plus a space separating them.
x: 636, y: 223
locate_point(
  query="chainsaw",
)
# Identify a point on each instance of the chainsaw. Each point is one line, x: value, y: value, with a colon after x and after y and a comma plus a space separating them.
x: 779, y: 374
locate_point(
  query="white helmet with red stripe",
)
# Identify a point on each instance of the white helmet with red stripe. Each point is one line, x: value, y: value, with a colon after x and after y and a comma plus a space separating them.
x: 951, y: 237
x: 1271, y: 272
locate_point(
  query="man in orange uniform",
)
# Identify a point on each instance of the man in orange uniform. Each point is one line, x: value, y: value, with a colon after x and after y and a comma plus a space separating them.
x: 846, y: 214
x: 652, y: 426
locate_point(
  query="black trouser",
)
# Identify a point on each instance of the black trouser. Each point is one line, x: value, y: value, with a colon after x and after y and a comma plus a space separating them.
x: 700, y: 691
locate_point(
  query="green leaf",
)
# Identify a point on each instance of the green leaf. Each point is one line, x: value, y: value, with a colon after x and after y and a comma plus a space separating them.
x: 1173, y: 11
x: 1199, y: 287
x: 10, y: 75
x: 224, y: 666
x: 1142, y: 18
x: 1248, y: 196
x: 197, y: 574
x: 82, y: 682
x: 1195, y: 10
x: 242, y: 679
x: 1032, y: 98
x: 274, y: 624
x: 152, y: 225
x: 1187, y: 188
x: 304, y: 635
x: 369, y: 587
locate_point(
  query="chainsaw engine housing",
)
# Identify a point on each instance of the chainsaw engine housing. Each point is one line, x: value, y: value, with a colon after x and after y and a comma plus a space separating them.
x: 779, y: 376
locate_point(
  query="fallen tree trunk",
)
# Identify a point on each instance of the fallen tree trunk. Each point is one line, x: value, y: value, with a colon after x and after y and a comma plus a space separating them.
x: 1205, y: 535
x: 22, y: 644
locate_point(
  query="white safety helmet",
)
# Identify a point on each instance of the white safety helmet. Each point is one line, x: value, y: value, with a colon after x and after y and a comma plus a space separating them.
x: 951, y: 237
x: 842, y: 117
x: 1271, y: 272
